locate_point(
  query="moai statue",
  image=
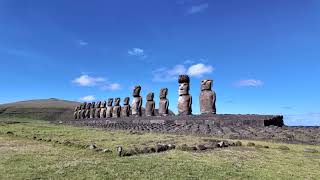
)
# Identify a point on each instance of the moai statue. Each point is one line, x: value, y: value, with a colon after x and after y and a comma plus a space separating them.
x: 83, y: 111
x: 98, y: 109
x: 150, y: 105
x: 79, y: 112
x: 87, y: 112
x: 207, y: 98
x: 137, y: 101
x: 75, y: 112
x: 117, y: 108
x: 125, y: 109
x: 164, y: 102
x: 109, y: 108
x: 92, y: 110
x: 185, y: 100
x: 103, y: 109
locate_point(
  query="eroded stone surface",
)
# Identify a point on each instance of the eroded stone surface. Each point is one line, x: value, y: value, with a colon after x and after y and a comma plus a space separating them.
x: 126, y: 109
x: 164, y: 102
x: 207, y: 98
x: 184, y: 100
x: 150, y: 105
x: 109, y: 108
x: 137, y: 101
x: 103, y: 109
x: 116, y: 109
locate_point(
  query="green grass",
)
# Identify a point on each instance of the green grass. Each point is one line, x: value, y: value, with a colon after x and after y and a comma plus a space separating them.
x: 21, y: 157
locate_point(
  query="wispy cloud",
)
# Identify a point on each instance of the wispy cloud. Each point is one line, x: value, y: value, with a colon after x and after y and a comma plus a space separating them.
x: 88, y: 98
x: 198, y: 8
x: 81, y: 43
x: 100, y: 82
x: 249, y: 83
x: 86, y: 80
x: 138, y: 52
x: 171, y: 74
x: 308, y: 119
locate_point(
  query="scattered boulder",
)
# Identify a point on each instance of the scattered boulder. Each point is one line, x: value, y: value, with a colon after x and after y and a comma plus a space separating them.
x: 161, y: 147
x: 92, y: 146
x: 10, y: 133
x: 222, y: 144
x: 285, y: 148
x: 106, y: 151
x: 238, y: 143
x: 120, y: 150
x: 250, y: 144
x: 309, y: 150
x: 201, y: 147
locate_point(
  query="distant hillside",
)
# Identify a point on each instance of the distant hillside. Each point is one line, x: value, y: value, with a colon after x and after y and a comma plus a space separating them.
x: 45, y: 109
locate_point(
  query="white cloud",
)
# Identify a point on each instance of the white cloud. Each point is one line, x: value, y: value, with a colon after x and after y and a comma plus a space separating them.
x: 137, y: 52
x: 85, y: 80
x: 199, y: 69
x: 88, y: 98
x: 112, y: 86
x: 171, y: 74
x: 248, y: 83
x: 102, y: 83
x: 198, y: 8
x: 82, y: 43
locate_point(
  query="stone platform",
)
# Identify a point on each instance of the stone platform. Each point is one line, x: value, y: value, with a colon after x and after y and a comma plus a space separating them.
x: 212, y: 119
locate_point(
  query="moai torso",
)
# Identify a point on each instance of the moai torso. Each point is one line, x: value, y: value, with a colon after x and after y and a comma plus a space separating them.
x: 109, y: 108
x: 150, y: 105
x: 92, y: 110
x: 87, y: 112
x: 164, y: 102
x: 75, y: 113
x: 185, y: 100
x: 79, y: 112
x: 116, y: 109
x: 137, y: 102
x: 125, y: 109
x: 103, y: 110
x: 83, y: 111
x: 97, y: 111
x: 207, y: 98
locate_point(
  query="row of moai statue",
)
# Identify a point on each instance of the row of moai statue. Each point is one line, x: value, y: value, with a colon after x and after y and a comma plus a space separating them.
x: 108, y: 110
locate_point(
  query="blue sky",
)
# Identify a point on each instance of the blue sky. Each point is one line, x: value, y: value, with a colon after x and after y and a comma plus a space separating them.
x: 264, y: 56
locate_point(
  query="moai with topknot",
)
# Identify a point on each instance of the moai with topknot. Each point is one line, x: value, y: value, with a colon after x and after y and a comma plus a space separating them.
x: 75, y: 112
x: 117, y: 108
x: 103, y: 109
x: 150, y: 105
x: 164, y: 102
x: 207, y: 98
x: 87, y: 112
x: 98, y: 109
x: 185, y: 99
x: 109, y: 108
x: 126, y: 109
x: 137, y: 101
x: 92, y: 110
x: 83, y: 111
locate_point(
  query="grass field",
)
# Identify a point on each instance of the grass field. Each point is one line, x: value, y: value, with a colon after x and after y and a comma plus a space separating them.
x: 61, y: 154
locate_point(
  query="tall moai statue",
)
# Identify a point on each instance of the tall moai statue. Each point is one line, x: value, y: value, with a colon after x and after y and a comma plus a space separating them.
x: 185, y: 99
x: 87, y: 112
x: 109, y: 108
x: 116, y: 108
x: 150, y: 105
x: 79, y: 112
x: 137, y: 101
x: 92, y: 110
x: 75, y: 112
x: 98, y: 109
x: 126, y: 109
x: 164, y: 102
x: 103, y: 109
x: 207, y: 98
x: 83, y: 111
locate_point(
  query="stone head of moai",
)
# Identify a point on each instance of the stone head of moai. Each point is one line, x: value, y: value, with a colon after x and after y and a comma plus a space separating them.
x: 184, y: 85
x: 110, y: 101
x: 117, y: 101
x: 93, y: 105
x: 84, y: 105
x: 126, y: 101
x: 98, y: 104
x: 206, y: 84
x: 136, y: 91
x: 150, y: 96
x: 163, y: 93
x: 103, y: 104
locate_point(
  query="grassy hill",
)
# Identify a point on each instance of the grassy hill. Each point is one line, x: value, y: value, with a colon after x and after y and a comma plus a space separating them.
x: 45, y: 109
